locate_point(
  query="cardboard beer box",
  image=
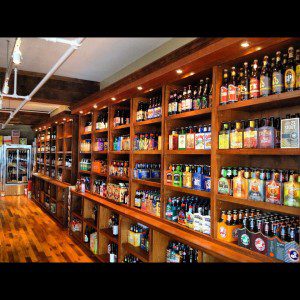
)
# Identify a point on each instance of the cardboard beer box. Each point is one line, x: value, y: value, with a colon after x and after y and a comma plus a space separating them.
x: 15, y: 140
x: 290, y: 133
x: 7, y: 139
x: 94, y: 242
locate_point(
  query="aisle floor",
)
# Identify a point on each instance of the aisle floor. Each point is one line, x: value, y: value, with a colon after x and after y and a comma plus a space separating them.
x: 27, y: 234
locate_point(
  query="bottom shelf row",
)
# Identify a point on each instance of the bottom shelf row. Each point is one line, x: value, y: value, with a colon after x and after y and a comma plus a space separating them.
x: 115, y: 238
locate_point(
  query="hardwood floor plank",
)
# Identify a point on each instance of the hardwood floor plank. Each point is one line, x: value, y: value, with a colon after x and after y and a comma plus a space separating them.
x: 27, y: 234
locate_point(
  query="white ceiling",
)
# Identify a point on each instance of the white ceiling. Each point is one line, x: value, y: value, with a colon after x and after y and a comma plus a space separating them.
x: 97, y: 58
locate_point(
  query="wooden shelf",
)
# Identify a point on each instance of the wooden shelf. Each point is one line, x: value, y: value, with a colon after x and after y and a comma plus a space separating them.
x: 188, y: 152
x: 90, y: 223
x: 104, y: 258
x: 188, y: 191
x: 75, y: 214
x: 119, y: 152
x: 85, y: 172
x: 108, y: 233
x: 148, y: 122
x: 273, y: 101
x: 275, y: 151
x: 121, y: 127
x: 100, y: 174
x: 137, y: 252
x: 101, y: 130
x: 123, y: 178
x: 261, y: 205
x: 154, y: 183
x: 86, y: 133
x: 147, y: 152
x: 189, y: 114
x: 99, y: 152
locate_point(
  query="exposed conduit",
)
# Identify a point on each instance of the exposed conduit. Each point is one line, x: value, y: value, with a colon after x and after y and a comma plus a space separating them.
x: 62, y: 59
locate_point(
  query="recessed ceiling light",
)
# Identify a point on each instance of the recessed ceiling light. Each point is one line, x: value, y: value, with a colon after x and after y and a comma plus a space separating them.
x: 179, y: 71
x: 104, y: 106
x: 36, y: 130
x: 64, y: 119
x: 95, y: 106
x: 150, y: 90
x: 258, y: 48
x: 81, y: 112
x: 139, y: 88
x: 56, y: 122
x: 113, y: 99
x: 245, y: 44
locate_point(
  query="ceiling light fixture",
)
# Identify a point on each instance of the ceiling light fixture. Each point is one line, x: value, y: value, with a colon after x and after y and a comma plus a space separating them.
x: 56, y: 122
x: 179, y: 71
x: 139, y: 88
x: 81, y: 112
x: 17, y: 54
x: 245, y: 44
x: 95, y: 106
x: 113, y: 99
x: 64, y: 119
x: 5, y: 88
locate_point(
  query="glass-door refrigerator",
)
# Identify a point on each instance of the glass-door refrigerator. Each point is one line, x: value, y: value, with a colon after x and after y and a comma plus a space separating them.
x: 15, y: 168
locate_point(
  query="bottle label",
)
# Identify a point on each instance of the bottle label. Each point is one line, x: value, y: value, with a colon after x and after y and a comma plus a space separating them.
x: 190, y: 141
x: 224, y: 141
x: 196, y: 103
x: 199, y: 141
x: 289, y: 79
x: 236, y: 140
x: 265, y: 85
x: 250, y: 139
x: 223, y: 186
x: 298, y: 77
x: 254, y: 88
x: 266, y: 138
x: 181, y: 141
x: 277, y: 82
x: 256, y: 189
x: 243, y: 92
x: 232, y: 93
x: 273, y: 192
x: 224, y: 95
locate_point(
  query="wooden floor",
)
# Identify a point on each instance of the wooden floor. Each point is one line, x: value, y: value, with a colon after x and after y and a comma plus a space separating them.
x: 27, y: 234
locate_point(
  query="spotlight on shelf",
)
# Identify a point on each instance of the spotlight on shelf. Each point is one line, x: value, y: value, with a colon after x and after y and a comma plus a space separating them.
x: 179, y: 71
x: 139, y: 88
x: 81, y: 112
x: 95, y: 106
x: 113, y: 99
x: 245, y: 44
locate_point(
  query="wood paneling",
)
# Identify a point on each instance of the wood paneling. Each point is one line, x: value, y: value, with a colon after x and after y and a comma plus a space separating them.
x: 24, y: 118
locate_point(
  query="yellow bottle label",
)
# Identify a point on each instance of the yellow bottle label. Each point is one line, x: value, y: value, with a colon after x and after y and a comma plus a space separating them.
x: 298, y: 77
x: 236, y: 140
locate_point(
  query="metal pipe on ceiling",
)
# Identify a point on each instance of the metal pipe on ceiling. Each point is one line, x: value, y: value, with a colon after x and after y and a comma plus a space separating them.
x: 62, y: 59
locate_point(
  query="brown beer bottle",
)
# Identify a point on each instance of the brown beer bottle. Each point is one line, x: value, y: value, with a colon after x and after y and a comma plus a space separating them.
x: 277, y: 76
x: 265, y: 78
x: 290, y: 74
x: 254, y: 81
x: 233, y: 87
x: 224, y: 88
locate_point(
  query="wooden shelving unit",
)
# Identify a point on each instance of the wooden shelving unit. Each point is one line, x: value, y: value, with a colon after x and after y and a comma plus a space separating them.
x: 204, y: 64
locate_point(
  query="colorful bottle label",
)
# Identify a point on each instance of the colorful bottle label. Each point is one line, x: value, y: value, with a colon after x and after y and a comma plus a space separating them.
x: 274, y: 192
x: 236, y: 140
x: 265, y: 85
x: 190, y: 141
x: 240, y: 187
x: 289, y: 79
x: 199, y: 141
x: 250, y: 139
x: 224, y: 186
x: 277, y: 82
x: 181, y: 141
x: 207, y: 140
x: 266, y: 137
x: 298, y: 77
x: 290, y: 133
x: 254, y: 88
x: 292, y: 194
x: 232, y: 93
x: 256, y: 189
x: 224, y: 141
x: 224, y: 95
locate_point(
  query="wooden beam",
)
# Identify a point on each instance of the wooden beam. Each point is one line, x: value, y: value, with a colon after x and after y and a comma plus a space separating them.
x: 25, y: 118
x: 58, y: 90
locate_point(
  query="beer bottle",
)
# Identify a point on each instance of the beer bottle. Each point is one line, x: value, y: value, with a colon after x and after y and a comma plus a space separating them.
x: 183, y: 101
x: 229, y: 220
x: 298, y: 69
x: 244, y: 83
x: 289, y: 74
x: 224, y: 88
x: 232, y: 87
x: 223, y: 216
x: 277, y: 77
x: 205, y: 95
x: 240, y: 85
x: 265, y: 79
x: 200, y: 91
x: 254, y: 81
x: 235, y: 218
